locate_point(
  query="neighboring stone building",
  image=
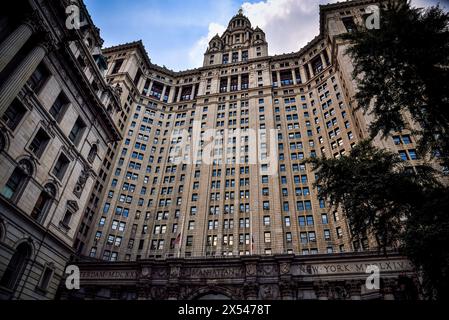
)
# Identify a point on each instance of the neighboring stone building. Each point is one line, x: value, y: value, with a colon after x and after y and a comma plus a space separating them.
x: 56, y: 122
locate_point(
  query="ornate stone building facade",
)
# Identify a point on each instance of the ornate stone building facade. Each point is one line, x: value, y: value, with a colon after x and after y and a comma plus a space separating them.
x: 182, y: 184
x: 57, y: 117
x: 188, y: 203
x: 275, y: 277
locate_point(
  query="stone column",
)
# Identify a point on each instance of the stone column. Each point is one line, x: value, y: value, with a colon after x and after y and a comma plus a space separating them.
x: 310, y: 70
x: 13, y: 43
x: 239, y: 82
x: 278, y: 76
x: 163, y: 92
x: 15, y: 82
x: 171, y: 95
x: 294, y: 76
x: 178, y: 98
x: 192, y: 95
x: 228, y: 87
x: 303, y: 74
x: 323, y: 60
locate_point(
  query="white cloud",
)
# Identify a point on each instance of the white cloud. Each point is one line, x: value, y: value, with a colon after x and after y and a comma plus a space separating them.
x: 288, y: 24
x: 197, y: 51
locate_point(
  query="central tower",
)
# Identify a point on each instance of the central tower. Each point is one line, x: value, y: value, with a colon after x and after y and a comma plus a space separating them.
x: 239, y: 43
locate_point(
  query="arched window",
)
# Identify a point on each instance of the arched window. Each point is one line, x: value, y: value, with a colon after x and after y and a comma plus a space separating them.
x: 16, y: 266
x: 92, y: 153
x: 18, y: 179
x: 2, y: 141
x: 44, y: 201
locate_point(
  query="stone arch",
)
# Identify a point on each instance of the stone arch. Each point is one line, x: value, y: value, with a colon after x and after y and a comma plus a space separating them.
x: 23, y: 251
x: 27, y: 165
x: 4, y: 141
x: 213, y: 293
x: 27, y: 241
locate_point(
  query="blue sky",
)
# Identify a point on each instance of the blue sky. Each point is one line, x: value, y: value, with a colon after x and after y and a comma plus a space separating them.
x: 176, y: 32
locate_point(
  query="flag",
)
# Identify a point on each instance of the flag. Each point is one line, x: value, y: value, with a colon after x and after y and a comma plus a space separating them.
x: 178, y: 238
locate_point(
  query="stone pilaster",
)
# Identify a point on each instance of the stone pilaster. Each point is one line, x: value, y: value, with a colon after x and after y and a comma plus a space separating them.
x: 355, y: 290
x: 321, y: 290
x: 388, y: 287
x: 250, y: 291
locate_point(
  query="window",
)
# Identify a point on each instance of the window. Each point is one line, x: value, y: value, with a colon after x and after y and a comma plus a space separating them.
x: 16, y: 266
x: 266, y: 220
x: 39, y: 143
x: 43, y: 202
x: 46, y: 277
x: 403, y: 155
x: 14, y: 114
x: 117, y: 66
x: 61, y: 166
x: 349, y: 24
x: 17, y: 180
x: 412, y: 154
x: 267, y: 237
x: 324, y: 219
x: 77, y: 130
x: 309, y: 220
x: 67, y: 218
x: 57, y: 109
x: 92, y: 153
x: 38, y: 78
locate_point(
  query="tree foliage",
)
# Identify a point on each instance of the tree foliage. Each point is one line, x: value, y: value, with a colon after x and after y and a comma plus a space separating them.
x: 400, y: 206
x: 403, y: 70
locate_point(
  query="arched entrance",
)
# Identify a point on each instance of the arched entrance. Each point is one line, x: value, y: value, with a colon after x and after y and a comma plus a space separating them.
x: 213, y: 293
x: 212, y: 296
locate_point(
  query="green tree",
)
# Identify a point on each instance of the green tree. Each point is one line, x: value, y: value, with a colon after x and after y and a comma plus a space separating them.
x: 403, y: 69
x: 402, y: 207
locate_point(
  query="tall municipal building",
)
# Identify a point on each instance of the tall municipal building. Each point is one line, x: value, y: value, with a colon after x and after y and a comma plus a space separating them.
x: 180, y: 185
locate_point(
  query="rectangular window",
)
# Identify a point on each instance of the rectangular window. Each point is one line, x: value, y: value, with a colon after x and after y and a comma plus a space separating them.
x: 39, y: 143
x: 61, y: 166
x: 38, y: 78
x: 57, y: 109
x: 77, y: 130
x: 14, y: 114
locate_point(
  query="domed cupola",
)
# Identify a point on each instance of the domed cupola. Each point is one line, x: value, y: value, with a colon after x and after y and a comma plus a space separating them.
x: 239, y: 21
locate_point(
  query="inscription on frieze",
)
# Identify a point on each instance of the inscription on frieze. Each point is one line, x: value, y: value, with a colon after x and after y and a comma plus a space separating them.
x: 110, y: 274
x: 218, y: 272
x: 345, y: 268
